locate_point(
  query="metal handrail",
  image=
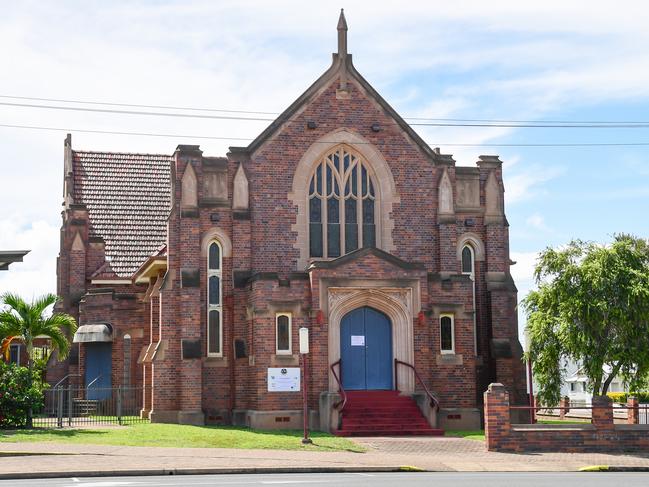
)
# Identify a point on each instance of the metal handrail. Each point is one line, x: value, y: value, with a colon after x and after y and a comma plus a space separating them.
x: 433, y: 400
x: 343, y: 401
x: 568, y: 408
x: 64, y: 378
x: 93, y: 381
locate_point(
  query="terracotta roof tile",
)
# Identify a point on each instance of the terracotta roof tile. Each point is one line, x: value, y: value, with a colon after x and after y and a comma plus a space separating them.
x: 128, y: 200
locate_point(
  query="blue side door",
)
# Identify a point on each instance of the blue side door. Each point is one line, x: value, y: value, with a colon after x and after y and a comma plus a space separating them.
x: 98, y: 369
x: 366, y: 350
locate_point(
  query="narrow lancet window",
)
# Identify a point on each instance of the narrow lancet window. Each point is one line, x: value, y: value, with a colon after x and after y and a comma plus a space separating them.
x: 214, y: 299
x: 447, y: 334
x: 468, y: 268
x: 467, y: 260
x: 283, y: 333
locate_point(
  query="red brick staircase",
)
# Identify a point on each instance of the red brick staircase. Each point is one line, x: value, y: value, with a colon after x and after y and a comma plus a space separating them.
x: 383, y: 413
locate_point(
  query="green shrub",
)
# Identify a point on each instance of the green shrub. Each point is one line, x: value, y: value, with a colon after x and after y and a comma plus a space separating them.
x: 622, y: 397
x: 16, y: 395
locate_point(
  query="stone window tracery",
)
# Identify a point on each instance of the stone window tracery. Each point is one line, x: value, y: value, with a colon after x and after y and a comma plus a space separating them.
x: 342, y: 205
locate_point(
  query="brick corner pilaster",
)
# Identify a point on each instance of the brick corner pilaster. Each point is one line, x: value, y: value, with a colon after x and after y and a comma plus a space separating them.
x: 602, y: 412
x: 497, y: 421
x: 633, y: 410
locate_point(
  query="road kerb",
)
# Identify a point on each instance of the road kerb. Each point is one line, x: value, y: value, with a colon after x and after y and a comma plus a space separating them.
x: 613, y: 468
x: 594, y: 468
x: 206, y: 471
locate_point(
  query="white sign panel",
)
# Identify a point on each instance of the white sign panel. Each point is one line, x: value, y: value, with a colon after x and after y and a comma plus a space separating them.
x: 358, y: 340
x: 304, y: 340
x: 284, y: 379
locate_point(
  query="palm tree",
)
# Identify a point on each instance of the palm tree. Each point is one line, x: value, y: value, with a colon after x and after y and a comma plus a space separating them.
x: 26, y: 321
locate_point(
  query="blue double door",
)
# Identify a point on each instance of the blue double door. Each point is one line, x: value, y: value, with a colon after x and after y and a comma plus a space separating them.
x: 366, y: 350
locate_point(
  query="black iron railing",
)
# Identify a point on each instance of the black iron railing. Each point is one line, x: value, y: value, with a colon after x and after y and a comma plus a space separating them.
x: 571, y: 412
x: 76, y: 406
x: 433, y: 400
x: 343, y: 400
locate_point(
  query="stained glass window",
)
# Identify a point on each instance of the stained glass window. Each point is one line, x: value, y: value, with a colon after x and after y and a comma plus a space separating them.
x: 342, y: 205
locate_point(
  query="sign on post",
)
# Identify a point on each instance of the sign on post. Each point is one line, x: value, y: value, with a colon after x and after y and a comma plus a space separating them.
x: 283, y: 379
x: 304, y: 340
x: 304, y: 351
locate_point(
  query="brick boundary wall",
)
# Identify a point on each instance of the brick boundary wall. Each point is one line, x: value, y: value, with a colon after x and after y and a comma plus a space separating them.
x: 602, y: 435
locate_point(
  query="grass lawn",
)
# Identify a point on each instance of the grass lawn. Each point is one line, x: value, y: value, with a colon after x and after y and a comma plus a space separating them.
x: 564, y: 421
x: 183, y: 436
x: 477, y: 435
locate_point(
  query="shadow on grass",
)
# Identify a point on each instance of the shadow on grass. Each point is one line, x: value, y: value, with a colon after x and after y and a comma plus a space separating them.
x: 63, y: 433
x: 296, y: 435
x: 190, y: 436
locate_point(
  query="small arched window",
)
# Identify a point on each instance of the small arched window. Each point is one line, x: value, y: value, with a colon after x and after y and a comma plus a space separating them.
x: 447, y: 333
x: 283, y: 345
x: 342, y: 205
x: 214, y: 300
x: 468, y: 261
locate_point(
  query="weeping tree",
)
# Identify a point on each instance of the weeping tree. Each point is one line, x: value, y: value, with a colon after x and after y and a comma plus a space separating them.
x: 23, y: 321
x: 591, y: 306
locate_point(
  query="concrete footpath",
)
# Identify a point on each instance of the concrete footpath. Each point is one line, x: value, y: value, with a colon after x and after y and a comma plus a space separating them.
x: 30, y: 460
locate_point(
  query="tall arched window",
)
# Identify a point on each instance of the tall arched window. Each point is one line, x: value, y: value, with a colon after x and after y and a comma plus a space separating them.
x: 342, y: 205
x: 468, y: 268
x: 127, y: 361
x: 214, y: 300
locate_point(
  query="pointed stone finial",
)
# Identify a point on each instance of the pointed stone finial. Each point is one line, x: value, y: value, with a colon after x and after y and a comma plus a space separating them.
x: 342, y: 34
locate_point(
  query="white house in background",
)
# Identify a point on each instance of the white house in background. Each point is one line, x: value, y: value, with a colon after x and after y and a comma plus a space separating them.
x: 575, y: 386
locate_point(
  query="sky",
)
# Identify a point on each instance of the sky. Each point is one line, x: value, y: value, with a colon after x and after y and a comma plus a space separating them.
x: 507, y: 60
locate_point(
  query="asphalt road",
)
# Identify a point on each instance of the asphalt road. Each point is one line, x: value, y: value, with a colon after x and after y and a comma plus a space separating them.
x: 454, y: 479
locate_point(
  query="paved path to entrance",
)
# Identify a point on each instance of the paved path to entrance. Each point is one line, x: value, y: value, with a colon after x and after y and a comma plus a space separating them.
x: 461, y: 454
x: 434, y: 454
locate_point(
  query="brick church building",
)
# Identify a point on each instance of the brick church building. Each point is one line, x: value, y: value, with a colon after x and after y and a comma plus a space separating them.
x: 191, y: 275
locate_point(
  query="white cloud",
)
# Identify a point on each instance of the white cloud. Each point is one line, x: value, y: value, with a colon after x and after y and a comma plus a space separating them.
x: 618, y: 194
x: 34, y: 276
x: 497, y: 59
x: 636, y: 163
x: 523, y: 271
x: 524, y: 183
x: 523, y: 275
x: 537, y: 222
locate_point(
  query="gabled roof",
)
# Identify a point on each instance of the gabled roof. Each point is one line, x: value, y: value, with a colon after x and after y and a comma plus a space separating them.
x: 128, y: 197
x: 362, y: 252
x: 105, y: 271
x: 156, y: 263
x: 342, y: 63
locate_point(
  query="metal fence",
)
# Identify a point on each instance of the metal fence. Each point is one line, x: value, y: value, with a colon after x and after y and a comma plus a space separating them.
x: 80, y: 407
x: 581, y: 411
x: 643, y: 413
